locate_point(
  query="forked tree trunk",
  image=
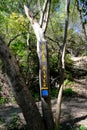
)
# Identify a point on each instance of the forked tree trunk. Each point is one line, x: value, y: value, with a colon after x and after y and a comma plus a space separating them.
x: 43, y: 66
x: 21, y: 92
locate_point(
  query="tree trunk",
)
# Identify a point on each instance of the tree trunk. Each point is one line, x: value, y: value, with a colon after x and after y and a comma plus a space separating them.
x: 39, y: 30
x: 21, y: 92
x: 44, y: 85
x: 47, y: 115
x: 62, y: 66
x: 83, y: 25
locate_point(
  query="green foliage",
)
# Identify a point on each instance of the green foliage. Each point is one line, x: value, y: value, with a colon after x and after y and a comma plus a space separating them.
x: 82, y: 128
x: 17, y: 23
x: 58, y: 127
x: 55, y: 5
x: 2, y: 100
x: 83, y: 9
x: 35, y: 92
x: 53, y: 61
x: 68, y: 92
x: 67, y: 82
x: 68, y: 60
x: 54, y: 92
x: 2, y: 120
x: 14, y: 123
x: 3, y: 16
x: 68, y: 67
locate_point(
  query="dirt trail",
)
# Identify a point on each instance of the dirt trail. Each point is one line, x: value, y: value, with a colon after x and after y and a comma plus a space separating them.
x: 73, y: 113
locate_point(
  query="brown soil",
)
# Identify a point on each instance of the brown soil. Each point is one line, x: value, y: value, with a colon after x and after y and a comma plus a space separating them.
x: 74, y: 108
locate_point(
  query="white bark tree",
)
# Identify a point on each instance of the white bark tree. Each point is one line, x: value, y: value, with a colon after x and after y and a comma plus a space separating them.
x: 39, y: 30
x: 62, y: 65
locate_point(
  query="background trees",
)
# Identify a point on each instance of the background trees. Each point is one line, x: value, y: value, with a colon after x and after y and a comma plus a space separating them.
x: 19, y: 36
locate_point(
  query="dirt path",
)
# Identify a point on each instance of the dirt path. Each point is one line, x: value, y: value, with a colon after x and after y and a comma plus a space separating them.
x: 73, y: 113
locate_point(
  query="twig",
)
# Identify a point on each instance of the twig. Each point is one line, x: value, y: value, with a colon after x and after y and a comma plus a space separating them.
x: 11, y: 40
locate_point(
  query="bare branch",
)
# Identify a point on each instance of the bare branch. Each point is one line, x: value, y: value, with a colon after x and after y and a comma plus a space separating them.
x: 80, y: 15
x: 65, y: 32
x: 18, y: 35
x: 11, y: 40
x: 36, y: 27
x: 39, y: 6
x: 55, y: 41
x: 43, y: 12
x: 46, y: 16
x: 28, y: 13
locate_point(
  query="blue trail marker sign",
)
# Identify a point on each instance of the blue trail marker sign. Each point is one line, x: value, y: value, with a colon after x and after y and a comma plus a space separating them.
x: 44, y: 75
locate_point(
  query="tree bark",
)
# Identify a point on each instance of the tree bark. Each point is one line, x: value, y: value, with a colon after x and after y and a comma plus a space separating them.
x: 39, y: 31
x: 62, y: 66
x: 81, y: 18
x: 21, y: 92
x: 82, y: 23
x: 47, y: 116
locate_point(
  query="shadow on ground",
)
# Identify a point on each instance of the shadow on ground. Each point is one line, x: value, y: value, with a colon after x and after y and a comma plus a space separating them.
x: 70, y: 124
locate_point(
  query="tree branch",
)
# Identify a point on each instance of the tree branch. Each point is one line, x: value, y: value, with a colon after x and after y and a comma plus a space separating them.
x: 36, y: 27
x: 80, y: 14
x: 43, y: 12
x: 46, y: 16
x: 65, y: 32
x: 11, y: 40
x: 55, y: 41
x: 18, y: 35
x: 28, y: 13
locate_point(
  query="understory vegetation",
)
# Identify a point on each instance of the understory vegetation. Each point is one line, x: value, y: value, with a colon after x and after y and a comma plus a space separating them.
x: 16, y: 30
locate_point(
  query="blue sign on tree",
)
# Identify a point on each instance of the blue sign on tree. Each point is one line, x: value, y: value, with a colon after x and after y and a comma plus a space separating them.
x: 44, y: 82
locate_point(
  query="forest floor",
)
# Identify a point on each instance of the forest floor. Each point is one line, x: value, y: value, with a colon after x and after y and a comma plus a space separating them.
x: 74, y: 108
x: 73, y: 112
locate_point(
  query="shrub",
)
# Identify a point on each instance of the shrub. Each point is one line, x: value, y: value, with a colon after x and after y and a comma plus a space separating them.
x: 68, y: 92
